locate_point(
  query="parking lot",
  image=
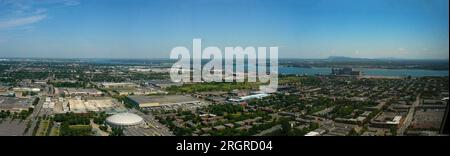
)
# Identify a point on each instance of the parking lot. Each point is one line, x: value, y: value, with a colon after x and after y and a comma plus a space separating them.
x: 10, y: 127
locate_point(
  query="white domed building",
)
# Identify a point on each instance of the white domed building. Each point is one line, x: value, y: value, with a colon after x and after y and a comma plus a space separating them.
x: 122, y: 120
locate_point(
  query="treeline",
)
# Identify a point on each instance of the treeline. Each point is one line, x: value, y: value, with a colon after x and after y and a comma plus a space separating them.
x: 16, y: 115
x: 107, y: 77
x: 148, y: 76
x: 8, y: 80
x: 69, y: 84
x: 126, y: 101
x: 36, y: 101
x: 20, y: 75
x: 29, y: 93
x: 100, y: 118
x: 226, y: 108
x: 72, y: 118
x: 116, y: 132
x: 278, y: 101
x: 74, y: 124
x: 75, y: 130
x: 177, y: 131
x: 215, y: 86
x: 288, y: 130
x: 346, y: 108
x: 250, y: 115
x: 5, y: 114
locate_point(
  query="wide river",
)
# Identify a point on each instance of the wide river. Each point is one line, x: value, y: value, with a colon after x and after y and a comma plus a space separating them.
x: 366, y: 71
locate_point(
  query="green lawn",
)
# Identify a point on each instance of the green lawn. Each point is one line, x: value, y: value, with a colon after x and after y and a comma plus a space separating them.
x: 43, y: 128
x: 80, y: 126
x: 54, y: 131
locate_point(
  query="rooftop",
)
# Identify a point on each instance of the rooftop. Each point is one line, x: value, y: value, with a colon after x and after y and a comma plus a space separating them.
x: 166, y: 99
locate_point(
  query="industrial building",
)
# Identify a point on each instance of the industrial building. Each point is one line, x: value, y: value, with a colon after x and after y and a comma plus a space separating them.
x: 166, y: 100
x: 119, y: 85
x: 14, y: 104
x: 387, y: 119
x: 26, y: 89
x: 162, y: 84
x: 78, y: 105
x: 138, y: 91
x: 123, y: 120
x: 48, y: 103
x: 81, y: 92
x: 249, y: 97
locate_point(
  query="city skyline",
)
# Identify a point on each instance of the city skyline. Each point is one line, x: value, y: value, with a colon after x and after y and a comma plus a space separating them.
x: 150, y: 29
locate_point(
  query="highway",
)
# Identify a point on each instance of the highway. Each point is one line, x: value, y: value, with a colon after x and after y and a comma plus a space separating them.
x: 34, y: 115
x: 38, y: 110
x: 409, y: 117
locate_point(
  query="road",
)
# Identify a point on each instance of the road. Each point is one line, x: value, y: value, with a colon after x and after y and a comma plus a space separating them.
x: 158, y: 128
x: 38, y: 110
x: 409, y: 117
x: 34, y: 115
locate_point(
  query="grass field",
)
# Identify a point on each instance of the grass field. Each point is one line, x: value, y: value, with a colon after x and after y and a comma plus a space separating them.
x: 54, y: 131
x: 80, y: 127
x: 43, y: 128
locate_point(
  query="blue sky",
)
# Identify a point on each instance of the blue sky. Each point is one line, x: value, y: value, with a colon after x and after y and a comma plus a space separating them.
x: 411, y: 29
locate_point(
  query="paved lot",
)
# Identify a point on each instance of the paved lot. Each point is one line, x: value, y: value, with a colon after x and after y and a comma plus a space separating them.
x: 10, y: 127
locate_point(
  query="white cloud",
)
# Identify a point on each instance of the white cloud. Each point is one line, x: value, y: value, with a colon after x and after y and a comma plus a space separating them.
x: 40, y: 11
x: 402, y: 51
x: 71, y: 2
x: 17, y: 22
x: 333, y: 51
x: 16, y: 13
x: 60, y: 3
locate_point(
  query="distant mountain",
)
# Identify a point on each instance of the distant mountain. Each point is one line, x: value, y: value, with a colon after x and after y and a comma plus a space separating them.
x: 344, y: 58
x: 390, y: 58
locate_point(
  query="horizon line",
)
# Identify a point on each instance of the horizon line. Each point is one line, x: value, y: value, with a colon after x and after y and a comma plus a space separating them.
x: 281, y: 58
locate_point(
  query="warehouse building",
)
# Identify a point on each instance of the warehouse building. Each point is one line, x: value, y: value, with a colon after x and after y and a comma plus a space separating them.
x: 79, y: 105
x: 119, y: 85
x: 14, y: 104
x: 166, y: 100
x: 250, y: 97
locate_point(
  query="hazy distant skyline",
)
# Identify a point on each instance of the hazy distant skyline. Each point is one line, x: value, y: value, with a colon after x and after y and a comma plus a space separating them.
x: 412, y: 29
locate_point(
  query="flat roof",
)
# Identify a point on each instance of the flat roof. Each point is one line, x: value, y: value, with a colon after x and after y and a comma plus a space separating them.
x: 312, y: 134
x: 162, y: 99
x: 12, y: 102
